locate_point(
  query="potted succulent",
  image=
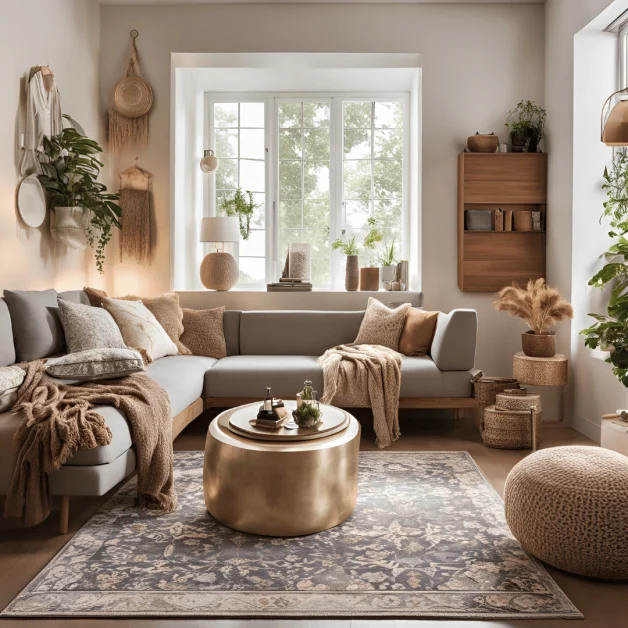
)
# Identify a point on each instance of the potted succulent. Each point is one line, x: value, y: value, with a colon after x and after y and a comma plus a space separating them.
x: 242, y: 208
x: 388, y: 259
x: 82, y: 212
x: 527, y: 126
x: 541, y: 307
x: 610, y: 331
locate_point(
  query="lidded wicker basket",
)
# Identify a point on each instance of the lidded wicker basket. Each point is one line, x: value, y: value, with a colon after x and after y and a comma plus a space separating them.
x: 485, y: 389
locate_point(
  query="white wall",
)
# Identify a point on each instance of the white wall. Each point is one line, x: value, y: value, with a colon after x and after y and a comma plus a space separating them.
x: 478, y: 62
x: 64, y: 34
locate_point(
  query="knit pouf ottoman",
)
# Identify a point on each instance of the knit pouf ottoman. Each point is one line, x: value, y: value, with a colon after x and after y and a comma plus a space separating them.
x: 568, y: 506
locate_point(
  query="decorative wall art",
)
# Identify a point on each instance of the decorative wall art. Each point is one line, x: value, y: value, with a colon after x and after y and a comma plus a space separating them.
x: 135, y: 204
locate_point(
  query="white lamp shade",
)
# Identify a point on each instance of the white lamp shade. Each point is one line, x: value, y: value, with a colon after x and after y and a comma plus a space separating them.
x: 220, y: 229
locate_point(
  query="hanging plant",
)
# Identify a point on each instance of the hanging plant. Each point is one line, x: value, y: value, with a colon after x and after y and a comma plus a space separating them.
x: 242, y: 208
x: 70, y: 176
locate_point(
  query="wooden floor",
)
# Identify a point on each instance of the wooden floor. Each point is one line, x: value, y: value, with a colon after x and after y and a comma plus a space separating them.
x: 24, y: 553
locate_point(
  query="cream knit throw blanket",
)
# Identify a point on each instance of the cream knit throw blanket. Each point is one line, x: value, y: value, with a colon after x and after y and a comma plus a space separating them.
x: 60, y: 420
x: 362, y: 376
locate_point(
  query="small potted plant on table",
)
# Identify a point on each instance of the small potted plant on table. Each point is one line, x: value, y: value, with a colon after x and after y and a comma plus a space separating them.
x: 527, y: 126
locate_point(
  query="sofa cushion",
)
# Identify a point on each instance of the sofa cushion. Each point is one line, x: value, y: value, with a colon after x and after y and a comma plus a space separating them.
x: 7, y: 347
x: 250, y: 375
x: 231, y: 329
x: 296, y: 333
x: 75, y: 296
x: 95, y: 365
x: 37, y: 330
x: 420, y: 377
x: 204, y: 332
x: 382, y: 325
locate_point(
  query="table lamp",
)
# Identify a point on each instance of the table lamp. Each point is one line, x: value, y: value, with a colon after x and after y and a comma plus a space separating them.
x: 219, y: 269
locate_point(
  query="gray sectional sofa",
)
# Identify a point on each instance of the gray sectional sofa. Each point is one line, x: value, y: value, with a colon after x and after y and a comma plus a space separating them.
x: 265, y: 348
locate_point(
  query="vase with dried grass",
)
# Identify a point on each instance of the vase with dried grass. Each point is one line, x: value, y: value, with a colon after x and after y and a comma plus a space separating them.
x: 541, y: 307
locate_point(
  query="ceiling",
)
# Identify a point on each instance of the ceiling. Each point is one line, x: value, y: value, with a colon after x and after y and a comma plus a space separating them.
x: 165, y: 2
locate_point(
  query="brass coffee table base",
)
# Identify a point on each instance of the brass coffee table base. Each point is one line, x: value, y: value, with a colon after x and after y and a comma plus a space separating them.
x: 280, y: 489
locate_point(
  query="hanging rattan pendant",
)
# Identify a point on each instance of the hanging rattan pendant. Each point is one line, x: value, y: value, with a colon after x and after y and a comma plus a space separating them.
x: 615, y: 120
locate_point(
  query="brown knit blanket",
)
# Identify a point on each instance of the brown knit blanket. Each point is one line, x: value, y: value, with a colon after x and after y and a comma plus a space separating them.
x: 363, y: 376
x: 60, y: 420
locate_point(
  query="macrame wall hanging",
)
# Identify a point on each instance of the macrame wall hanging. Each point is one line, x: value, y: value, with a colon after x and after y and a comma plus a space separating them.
x: 132, y: 100
x: 135, y: 204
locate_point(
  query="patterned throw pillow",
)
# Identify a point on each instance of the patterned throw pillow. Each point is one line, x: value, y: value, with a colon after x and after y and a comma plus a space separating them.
x: 381, y: 325
x: 418, y: 332
x: 203, y: 332
x: 87, y: 328
x: 140, y: 329
x: 11, y: 378
x: 96, y: 364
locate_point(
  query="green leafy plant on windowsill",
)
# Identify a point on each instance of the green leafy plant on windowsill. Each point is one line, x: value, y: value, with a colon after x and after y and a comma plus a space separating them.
x: 241, y: 207
x: 349, y: 246
x: 610, y: 331
x: 388, y: 255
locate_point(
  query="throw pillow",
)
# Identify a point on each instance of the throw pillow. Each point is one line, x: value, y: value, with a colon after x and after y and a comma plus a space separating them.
x: 140, y: 329
x: 37, y: 330
x: 418, y: 332
x: 381, y: 325
x: 95, y: 364
x: 11, y: 378
x: 203, y: 332
x: 87, y: 328
x: 164, y: 307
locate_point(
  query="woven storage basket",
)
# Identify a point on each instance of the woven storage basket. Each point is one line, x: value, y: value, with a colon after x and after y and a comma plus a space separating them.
x: 485, y: 389
x: 511, y: 429
x: 518, y: 402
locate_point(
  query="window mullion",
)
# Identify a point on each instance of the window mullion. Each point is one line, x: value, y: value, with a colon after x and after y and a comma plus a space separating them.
x: 302, y: 167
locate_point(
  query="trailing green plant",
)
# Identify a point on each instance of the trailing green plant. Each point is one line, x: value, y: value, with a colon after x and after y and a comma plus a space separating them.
x: 610, y: 330
x: 388, y: 256
x: 70, y: 176
x: 241, y: 207
x: 349, y: 246
x: 527, y: 124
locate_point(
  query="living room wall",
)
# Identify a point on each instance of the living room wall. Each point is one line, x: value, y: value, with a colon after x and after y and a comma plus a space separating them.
x: 478, y: 61
x: 64, y: 34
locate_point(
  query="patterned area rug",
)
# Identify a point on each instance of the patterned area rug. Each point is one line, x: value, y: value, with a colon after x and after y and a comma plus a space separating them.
x: 427, y: 539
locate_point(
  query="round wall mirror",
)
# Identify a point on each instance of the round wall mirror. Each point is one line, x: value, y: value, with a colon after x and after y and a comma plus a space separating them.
x: 31, y: 201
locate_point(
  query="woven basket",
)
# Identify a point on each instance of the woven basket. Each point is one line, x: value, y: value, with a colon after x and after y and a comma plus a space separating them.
x: 518, y: 403
x: 485, y: 389
x: 511, y: 429
x: 133, y: 96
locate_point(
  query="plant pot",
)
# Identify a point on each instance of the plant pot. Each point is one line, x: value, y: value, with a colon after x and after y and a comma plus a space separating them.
x: 539, y: 345
x: 388, y: 273
x: 369, y: 279
x: 68, y: 225
x: 519, y: 142
x: 352, y: 273
x: 482, y: 143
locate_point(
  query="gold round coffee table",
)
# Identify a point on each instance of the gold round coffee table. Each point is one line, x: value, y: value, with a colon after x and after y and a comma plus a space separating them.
x: 286, y: 488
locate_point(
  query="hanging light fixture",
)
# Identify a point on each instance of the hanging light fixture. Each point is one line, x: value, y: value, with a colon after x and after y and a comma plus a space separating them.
x: 615, y: 120
x: 209, y: 163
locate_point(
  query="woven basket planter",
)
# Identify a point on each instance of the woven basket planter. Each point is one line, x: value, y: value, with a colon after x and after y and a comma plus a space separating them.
x: 485, y: 389
x: 511, y: 429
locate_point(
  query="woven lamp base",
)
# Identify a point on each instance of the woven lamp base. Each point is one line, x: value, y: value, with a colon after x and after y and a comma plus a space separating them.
x: 219, y: 271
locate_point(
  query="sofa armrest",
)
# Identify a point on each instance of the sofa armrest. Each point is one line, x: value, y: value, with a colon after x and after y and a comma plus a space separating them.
x: 453, y: 347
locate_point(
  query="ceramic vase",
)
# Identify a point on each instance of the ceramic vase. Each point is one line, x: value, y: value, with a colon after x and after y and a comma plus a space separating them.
x: 352, y: 273
x: 369, y: 279
x: 388, y: 273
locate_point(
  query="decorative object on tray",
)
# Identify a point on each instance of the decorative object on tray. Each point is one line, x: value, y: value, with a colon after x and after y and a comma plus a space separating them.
x: 541, y: 307
x: 219, y: 269
x: 308, y: 412
x: 31, y: 201
x: 300, y: 261
x: 135, y: 197
x: 614, y: 130
x: 479, y: 143
x: 240, y: 207
x: 132, y: 100
x: 526, y: 123
x: 271, y: 414
x: 82, y: 214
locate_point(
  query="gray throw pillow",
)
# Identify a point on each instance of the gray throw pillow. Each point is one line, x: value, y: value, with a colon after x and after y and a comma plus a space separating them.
x: 88, y: 327
x: 96, y: 364
x: 37, y: 330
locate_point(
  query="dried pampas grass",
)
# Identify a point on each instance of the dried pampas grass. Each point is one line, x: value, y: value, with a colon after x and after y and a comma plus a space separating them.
x: 540, y: 306
x: 125, y: 131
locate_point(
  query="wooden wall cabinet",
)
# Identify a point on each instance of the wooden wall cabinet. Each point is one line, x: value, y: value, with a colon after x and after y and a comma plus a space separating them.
x: 490, y: 260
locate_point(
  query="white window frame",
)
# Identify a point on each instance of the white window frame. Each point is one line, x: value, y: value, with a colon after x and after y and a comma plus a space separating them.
x: 622, y: 48
x: 273, y: 266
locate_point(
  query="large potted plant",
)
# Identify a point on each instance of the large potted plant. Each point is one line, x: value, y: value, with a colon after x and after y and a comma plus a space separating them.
x: 610, y: 330
x: 83, y: 213
x: 526, y: 123
x: 541, y: 307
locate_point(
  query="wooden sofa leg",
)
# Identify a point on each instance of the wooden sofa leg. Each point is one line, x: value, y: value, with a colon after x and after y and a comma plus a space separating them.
x: 65, y: 514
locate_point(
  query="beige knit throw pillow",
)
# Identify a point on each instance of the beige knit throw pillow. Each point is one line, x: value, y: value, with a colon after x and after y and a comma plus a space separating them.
x: 203, y: 332
x: 381, y: 325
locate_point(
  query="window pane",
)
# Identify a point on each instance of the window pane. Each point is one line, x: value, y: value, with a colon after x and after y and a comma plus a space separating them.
x: 290, y: 114
x: 252, y: 175
x: 255, y: 246
x: 357, y: 144
x: 388, y: 144
x: 252, y: 115
x: 387, y: 179
x: 388, y: 213
x: 290, y: 179
x: 315, y: 114
x: 316, y: 144
x: 290, y: 144
x: 357, y: 115
x: 226, y: 143
x: 225, y: 114
x: 252, y: 144
x: 357, y: 213
x: 252, y: 270
x: 357, y: 180
x: 316, y: 214
x: 227, y: 174
x: 259, y: 213
x: 388, y: 115
x: 289, y: 214
x: 320, y: 272
x: 316, y: 180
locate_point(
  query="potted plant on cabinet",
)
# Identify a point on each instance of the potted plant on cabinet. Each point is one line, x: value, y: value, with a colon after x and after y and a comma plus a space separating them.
x: 610, y: 331
x: 541, y: 307
x: 82, y: 212
x: 242, y: 208
x: 527, y: 126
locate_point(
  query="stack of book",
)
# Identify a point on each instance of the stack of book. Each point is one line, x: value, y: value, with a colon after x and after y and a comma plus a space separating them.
x: 274, y: 419
x: 289, y: 285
